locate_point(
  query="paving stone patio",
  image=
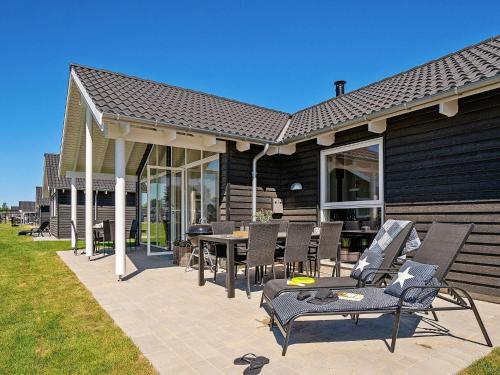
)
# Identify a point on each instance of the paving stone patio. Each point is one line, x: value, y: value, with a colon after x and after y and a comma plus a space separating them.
x: 186, y: 329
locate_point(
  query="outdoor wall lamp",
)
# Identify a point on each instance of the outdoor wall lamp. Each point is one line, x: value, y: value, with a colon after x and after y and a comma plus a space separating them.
x: 296, y: 186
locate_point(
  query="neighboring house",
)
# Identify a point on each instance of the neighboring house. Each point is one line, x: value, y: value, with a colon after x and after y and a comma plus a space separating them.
x: 28, y: 212
x: 42, y: 206
x: 57, y: 192
x: 422, y: 145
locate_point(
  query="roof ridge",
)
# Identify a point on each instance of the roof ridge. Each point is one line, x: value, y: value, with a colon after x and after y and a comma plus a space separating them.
x: 177, y: 87
x: 401, y: 73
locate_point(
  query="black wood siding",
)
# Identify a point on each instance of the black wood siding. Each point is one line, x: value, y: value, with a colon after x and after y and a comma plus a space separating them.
x: 436, y: 168
x: 431, y: 157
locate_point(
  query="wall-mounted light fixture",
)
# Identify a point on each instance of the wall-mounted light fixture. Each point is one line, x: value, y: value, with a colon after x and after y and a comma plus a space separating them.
x: 296, y: 186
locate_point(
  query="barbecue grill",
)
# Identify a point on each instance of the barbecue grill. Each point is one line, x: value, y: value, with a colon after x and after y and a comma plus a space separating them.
x: 193, y: 232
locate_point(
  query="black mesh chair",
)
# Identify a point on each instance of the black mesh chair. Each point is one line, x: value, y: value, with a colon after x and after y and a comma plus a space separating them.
x: 261, y: 246
x: 73, y: 228
x: 133, y: 234
x: 221, y: 227
x: 297, y: 243
x: 106, y: 237
x: 327, y: 247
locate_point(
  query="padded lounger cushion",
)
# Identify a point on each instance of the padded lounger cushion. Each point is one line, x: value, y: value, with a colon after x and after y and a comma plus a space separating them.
x: 273, y: 287
x: 286, y: 305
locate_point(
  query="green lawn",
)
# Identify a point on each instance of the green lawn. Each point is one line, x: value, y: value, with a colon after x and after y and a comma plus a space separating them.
x: 489, y: 365
x: 49, y: 322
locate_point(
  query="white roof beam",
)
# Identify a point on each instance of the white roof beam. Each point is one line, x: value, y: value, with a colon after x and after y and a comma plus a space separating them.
x: 377, y: 126
x: 449, y: 108
x: 99, y: 176
x: 209, y: 140
x: 273, y: 150
x: 287, y: 149
x: 327, y: 139
x: 165, y: 137
x: 242, y: 146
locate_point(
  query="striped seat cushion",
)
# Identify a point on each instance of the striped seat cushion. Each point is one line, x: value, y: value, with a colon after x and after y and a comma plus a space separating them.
x: 286, y: 305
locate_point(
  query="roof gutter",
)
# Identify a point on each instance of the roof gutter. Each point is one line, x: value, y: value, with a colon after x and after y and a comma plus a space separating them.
x: 454, y: 93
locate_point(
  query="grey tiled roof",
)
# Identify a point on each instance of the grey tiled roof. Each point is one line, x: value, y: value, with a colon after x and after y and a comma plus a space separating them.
x: 469, y: 65
x: 119, y: 94
x: 56, y: 182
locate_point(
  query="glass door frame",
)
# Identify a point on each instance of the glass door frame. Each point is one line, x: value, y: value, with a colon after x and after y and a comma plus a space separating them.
x: 183, y: 204
x: 201, y: 163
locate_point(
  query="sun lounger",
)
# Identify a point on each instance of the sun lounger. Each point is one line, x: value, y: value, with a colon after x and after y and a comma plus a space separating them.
x: 392, y: 250
x: 438, y: 251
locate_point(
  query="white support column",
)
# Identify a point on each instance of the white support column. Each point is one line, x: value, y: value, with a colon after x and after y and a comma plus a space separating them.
x: 74, y: 206
x: 120, y: 244
x: 89, y: 215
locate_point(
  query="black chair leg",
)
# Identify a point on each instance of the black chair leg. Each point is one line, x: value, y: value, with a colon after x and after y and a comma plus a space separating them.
x: 395, y: 329
x: 287, y: 338
x: 434, y: 315
x: 216, y: 268
x: 480, y: 322
x: 249, y: 295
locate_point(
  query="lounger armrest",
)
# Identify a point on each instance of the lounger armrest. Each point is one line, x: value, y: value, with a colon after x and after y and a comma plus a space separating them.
x: 439, y: 288
x: 370, y: 271
x: 378, y: 271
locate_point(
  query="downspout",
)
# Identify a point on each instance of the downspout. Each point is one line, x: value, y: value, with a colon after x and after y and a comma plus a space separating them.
x: 254, y: 180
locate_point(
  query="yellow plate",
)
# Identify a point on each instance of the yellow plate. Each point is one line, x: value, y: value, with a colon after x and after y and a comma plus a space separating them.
x: 240, y: 233
x: 303, y: 280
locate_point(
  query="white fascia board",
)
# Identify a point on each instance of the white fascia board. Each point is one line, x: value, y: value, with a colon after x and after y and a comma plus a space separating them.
x: 242, y: 146
x: 377, y: 126
x: 95, y: 112
x: 327, y: 139
x: 449, y: 108
x: 99, y: 176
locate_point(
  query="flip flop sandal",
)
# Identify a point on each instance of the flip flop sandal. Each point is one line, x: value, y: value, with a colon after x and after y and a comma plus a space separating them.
x: 245, y: 359
x: 256, y: 366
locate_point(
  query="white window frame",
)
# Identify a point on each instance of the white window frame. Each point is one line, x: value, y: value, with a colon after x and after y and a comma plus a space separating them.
x: 352, y: 204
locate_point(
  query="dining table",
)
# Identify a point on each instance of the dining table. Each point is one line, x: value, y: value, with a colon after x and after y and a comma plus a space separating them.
x: 231, y: 241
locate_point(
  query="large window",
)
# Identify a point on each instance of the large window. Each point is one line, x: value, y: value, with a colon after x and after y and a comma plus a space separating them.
x: 352, y: 184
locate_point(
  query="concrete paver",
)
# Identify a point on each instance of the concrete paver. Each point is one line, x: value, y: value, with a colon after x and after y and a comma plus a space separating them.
x: 185, y: 329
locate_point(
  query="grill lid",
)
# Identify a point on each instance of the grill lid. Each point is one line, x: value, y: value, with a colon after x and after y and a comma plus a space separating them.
x: 197, y: 229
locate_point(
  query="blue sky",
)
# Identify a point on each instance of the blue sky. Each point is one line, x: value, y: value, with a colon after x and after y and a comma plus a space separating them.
x: 278, y: 54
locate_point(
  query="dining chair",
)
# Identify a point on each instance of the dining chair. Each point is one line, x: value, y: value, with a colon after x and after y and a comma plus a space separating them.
x: 133, y: 233
x: 327, y: 247
x: 221, y: 227
x: 261, y: 246
x: 297, y: 243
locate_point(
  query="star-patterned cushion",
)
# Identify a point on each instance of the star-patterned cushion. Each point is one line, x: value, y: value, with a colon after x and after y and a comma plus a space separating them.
x: 368, y: 260
x: 411, y: 274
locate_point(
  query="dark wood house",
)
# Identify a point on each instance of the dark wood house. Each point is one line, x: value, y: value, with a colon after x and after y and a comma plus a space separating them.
x: 422, y: 145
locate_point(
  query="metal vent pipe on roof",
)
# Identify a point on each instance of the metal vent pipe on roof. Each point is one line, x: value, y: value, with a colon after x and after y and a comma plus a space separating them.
x: 339, y: 87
